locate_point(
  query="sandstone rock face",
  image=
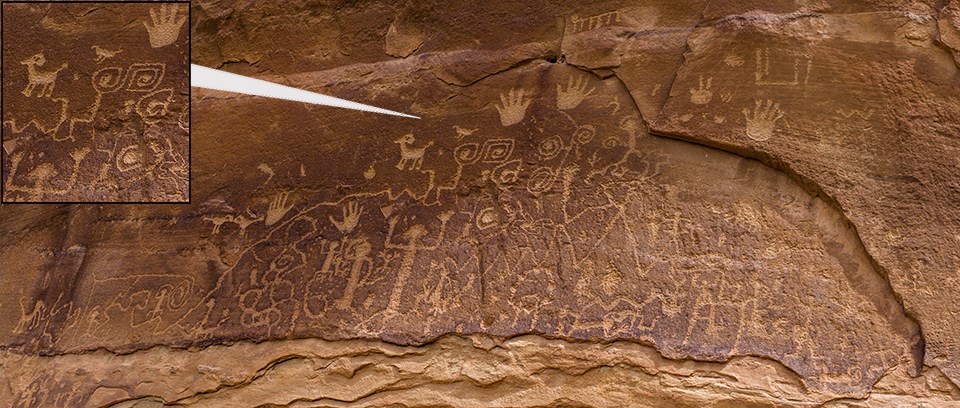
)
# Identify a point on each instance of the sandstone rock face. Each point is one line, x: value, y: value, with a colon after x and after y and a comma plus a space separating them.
x: 693, y: 204
x: 97, y: 109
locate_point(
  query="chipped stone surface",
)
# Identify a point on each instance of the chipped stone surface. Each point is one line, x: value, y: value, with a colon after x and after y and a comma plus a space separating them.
x: 685, y: 205
x: 97, y: 108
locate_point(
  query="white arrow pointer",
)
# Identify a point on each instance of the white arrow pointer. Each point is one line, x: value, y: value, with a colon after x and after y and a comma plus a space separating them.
x: 209, y: 78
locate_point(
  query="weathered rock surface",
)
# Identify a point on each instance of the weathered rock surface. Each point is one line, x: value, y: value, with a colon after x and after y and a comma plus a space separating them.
x: 795, y: 252
x: 97, y: 109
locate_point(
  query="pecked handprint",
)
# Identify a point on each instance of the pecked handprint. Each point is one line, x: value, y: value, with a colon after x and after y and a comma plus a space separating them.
x: 351, y: 216
x: 166, y: 26
x: 278, y: 208
x: 575, y: 93
x: 765, y: 116
x: 703, y: 94
x: 514, y: 107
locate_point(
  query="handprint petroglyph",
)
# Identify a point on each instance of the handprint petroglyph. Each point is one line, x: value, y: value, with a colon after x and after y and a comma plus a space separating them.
x: 763, y: 120
x: 278, y: 208
x: 574, y: 94
x: 46, y: 79
x: 513, y: 107
x: 703, y: 94
x: 166, y: 26
x: 351, y: 216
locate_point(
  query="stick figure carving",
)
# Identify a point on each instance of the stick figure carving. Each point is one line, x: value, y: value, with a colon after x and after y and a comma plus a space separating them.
x: 46, y: 80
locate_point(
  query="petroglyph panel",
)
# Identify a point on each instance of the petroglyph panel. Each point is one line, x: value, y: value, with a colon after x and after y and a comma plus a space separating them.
x: 95, y: 107
x: 886, y: 129
x: 663, y: 204
x: 566, y: 223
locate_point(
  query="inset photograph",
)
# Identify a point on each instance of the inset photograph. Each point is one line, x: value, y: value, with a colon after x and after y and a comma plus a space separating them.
x: 96, y: 102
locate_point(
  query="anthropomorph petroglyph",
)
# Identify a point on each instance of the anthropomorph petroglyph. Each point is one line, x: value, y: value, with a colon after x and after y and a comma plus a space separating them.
x: 702, y: 95
x: 761, y: 122
x: 45, y: 79
x: 513, y: 106
x: 411, y: 158
x: 166, y: 26
x: 575, y: 92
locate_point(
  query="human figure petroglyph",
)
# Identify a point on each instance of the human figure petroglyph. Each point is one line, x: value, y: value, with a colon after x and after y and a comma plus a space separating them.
x: 761, y: 123
x: 575, y: 92
x: 413, y: 235
x: 351, y: 216
x: 53, y: 389
x: 408, y: 154
x: 103, y: 54
x: 45, y: 79
x: 702, y: 95
x: 166, y: 26
x: 358, y: 254
x: 513, y: 106
x: 278, y: 208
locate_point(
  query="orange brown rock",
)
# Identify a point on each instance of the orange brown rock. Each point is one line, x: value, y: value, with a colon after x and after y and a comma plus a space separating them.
x: 694, y: 204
